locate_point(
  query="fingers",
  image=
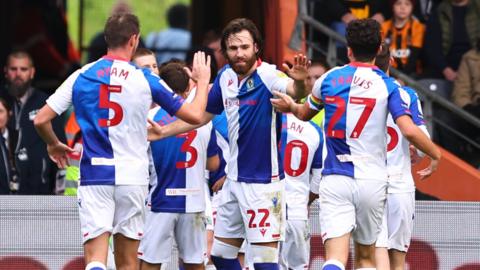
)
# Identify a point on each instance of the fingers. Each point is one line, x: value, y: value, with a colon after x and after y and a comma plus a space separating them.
x: 209, y: 60
x: 301, y: 60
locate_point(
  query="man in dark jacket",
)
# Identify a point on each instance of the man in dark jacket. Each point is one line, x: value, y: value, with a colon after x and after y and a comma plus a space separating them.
x: 36, y: 173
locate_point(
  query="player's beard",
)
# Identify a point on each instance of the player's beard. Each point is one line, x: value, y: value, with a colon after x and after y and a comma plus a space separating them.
x: 242, y: 66
x: 17, y: 88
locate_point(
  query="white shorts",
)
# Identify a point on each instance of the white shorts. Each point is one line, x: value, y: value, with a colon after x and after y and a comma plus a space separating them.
x: 162, y: 230
x: 208, y: 209
x: 295, y: 251
x: 348, y: 204
x: 397, y: 223
x: 255, y: 212
x: 113, y: 209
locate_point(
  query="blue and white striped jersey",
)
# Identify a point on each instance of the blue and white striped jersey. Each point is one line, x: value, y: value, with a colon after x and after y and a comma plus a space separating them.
x: 253, y: 126
x: 357, y: 100
x: 111, y: 98
x: 399, y: 164
x: 301, y: 146
x: 178, y: 173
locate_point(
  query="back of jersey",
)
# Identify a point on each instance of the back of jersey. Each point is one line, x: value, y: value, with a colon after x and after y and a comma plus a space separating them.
x: 357, y: 98
x: 301, y: 148
x: 178, y: 176
x: 111, y: 99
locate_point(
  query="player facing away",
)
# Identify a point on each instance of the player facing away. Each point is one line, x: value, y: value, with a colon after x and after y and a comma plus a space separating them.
x: 176, y: 200
x: 396, y: 232
x: 111, y: 99
x: 301, y: 145
x: 357, y: 98
x: 253, y: 204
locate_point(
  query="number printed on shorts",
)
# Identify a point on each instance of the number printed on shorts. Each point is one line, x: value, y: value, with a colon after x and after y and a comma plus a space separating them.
x: 340, y: 109
x: 287, y: 164
x: 263, y: 212
x: 105, y: 103
x: 188, y: 148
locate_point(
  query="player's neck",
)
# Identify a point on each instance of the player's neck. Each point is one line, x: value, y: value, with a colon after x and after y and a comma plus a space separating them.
x: 120, y: 53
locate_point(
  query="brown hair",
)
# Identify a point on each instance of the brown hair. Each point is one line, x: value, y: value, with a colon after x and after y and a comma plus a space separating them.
x: 382, y: 61
x: 119, y: 28
x: 174, y: 74
x: 238, y: 25
x: 142, y: 52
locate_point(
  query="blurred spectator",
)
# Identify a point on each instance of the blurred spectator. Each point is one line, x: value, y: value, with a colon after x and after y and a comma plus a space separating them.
x: 452, y: 30
x: 36, y: 173
x: 404, y: 36
x: 338, y: 13
x: 212, y: 40
x: 423, y: 8
x: 40, y: 29
x: 466, y: 90
x: 145, y: 58
x: 174, y: 41
x: 315, y: 71
x: 5, y: 155
x: 98, y: 46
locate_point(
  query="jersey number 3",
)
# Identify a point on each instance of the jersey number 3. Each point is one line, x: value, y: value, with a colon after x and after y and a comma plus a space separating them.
x: 188, y: 148
x: 105, y: 103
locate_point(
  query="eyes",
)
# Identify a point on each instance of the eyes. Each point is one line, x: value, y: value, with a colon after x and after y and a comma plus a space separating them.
x: 23, y: 69
x: 242, y: 47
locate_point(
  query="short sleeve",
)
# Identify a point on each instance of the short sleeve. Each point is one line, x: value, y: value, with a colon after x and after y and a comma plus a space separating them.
x: 315, y: 178
x: 212, y: 148
x: 280, y: 82
x: 61, y: 100
x: 416, y: 110
x: 162, y: 94
x: 215, y: 101
x: 398, y: 103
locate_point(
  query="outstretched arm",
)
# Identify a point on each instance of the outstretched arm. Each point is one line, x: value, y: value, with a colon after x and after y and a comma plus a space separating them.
x: 421, y: 141
x: 56, y: 149
x: 284, y: 103
x: 157, y: 132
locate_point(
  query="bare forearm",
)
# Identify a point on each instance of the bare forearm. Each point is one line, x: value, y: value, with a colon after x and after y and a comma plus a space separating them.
x: 45, y: 131
x: 424, y: 144
x: 302, y: 111
x: 300, y: 89
x: 194, y: 112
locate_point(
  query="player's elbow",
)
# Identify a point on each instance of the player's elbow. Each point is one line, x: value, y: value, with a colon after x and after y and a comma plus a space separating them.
x: 40, y: 120
x: 409, y: 132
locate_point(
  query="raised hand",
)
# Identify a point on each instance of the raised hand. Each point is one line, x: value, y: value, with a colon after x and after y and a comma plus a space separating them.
x: 58, y: 153
x: 282, y: 102
x: 201, y: 68
x: 299, y: 70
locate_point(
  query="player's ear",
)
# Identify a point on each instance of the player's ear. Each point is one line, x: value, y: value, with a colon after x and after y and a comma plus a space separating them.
x: 255, y: 47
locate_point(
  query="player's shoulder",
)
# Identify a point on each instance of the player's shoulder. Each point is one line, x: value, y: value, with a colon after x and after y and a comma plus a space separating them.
x: 266, y: 70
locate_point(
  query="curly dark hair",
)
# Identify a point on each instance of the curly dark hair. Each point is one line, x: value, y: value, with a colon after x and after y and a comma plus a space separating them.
x: 238, y: 25
x: 364, y: 39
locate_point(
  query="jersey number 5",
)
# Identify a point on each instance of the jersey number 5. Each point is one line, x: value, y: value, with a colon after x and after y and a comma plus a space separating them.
x: 288, y: 157
x: 340, y: 109
x: 188, y: 148
x: 105, y: 103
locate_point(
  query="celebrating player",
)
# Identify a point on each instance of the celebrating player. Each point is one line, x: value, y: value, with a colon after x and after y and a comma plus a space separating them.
x: 302, y: 144
x: 111, y: 98
x: 177, y: 199
x: 397, y: 225
x: 253, y: 203
x: 357, y: 98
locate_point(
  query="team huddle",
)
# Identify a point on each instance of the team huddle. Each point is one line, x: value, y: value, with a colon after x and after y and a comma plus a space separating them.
x: 243, y: 150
